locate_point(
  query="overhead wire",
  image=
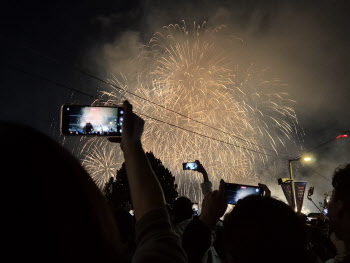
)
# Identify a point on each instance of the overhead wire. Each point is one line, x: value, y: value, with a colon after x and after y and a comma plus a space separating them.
x: 312, y: 170
x: 180, y: 114
x: 147, y: 116
x: 317, y: 147
x: 145, y: 99
x: 324, y: 143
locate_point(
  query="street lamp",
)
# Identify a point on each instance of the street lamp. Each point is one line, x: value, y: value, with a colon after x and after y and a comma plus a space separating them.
x: 290, y: 179
x: 305, y: 159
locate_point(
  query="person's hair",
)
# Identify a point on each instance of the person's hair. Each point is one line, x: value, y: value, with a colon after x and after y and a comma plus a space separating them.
x: 182, y: 209
x: 261, y: 229
x: 55, y: 212
x: 341, y: 184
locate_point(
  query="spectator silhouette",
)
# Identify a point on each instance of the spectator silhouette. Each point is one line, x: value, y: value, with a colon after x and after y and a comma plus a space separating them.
x: 182, y: 210
x: 55, y: 212
x: 262, y: 229
x: 339, y: 207
x: 88, y: 128
x: 197, y: 236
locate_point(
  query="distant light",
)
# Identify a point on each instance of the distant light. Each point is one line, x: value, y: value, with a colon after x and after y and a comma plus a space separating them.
x: 307, y: 159
x: 93, y: 109
x: 243, y: 187
x: 341, y: 136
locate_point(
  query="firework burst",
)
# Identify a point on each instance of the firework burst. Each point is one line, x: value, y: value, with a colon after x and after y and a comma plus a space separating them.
x: 194, y: 72
x: 101, y: 160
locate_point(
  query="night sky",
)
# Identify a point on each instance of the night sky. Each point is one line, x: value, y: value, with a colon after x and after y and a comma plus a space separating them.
x: 305, y: 43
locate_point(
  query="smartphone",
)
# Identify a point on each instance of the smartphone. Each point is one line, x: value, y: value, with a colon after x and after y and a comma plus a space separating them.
x: 235, y: 192
x: 190, y: 166
x: 195, y: 209
x: 87, y: 120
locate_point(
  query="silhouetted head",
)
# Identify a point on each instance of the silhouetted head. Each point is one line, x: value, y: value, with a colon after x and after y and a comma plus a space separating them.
x: 54, y: 212
x: 182, y: 210
x: 261, y: 229
x: 339, y: 206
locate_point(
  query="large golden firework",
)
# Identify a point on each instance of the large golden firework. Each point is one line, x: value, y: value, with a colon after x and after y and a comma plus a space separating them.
x: 195, y: 73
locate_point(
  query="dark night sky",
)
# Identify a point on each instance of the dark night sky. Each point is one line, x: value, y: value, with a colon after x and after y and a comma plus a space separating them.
x: 306, y: 43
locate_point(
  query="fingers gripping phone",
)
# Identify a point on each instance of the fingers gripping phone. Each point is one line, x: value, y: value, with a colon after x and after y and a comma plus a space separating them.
x: 235, y: 192
x: 190, y: 166
x: 86, y: 120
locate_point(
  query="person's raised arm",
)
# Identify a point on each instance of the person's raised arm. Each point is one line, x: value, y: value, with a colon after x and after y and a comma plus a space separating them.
x: 202, y: 170
x: 214, y: 206
x: 206, y: 185
x: 146, y: 192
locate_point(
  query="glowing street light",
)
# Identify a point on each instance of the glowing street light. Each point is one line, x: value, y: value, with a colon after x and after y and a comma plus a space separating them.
x: 290, y: 179
x: 307, y: 159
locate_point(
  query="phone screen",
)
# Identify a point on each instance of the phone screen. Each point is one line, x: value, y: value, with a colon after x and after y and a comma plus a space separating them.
x: 195, y: 209
x: 235, y: 192
x: 87, y: 120
x: 190, y: 166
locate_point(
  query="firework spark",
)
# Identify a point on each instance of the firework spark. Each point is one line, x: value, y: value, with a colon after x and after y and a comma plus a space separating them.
x: 101, y: 161
x: 194, y: 72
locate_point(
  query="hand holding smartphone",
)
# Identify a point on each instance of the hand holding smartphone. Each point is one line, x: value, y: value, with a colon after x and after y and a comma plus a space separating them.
x: 78, y: 120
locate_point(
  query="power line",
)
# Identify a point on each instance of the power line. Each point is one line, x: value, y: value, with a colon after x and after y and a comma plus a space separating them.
x: 319, y: 146
x: 318, y: 173
x: 205, y: 136
x: 322, y: 144
x: 180, y: 114
x: 145, y: 99
x: 95, y: 98
x: 173, y: 125
x: 50, y: 80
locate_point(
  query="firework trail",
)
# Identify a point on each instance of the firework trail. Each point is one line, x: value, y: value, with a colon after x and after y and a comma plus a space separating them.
x: 194, y: 72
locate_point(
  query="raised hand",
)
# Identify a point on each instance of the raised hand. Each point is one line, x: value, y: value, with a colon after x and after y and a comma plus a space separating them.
x: 201, y: 170
x: 214, y: 206
x: 267, y: 192
x: 132, y: 128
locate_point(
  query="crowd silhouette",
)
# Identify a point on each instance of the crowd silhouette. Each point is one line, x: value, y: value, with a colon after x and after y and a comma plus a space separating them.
x: 54, y: 212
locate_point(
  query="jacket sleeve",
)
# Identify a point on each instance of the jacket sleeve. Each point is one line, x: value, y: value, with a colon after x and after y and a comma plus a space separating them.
x: 156, y: 241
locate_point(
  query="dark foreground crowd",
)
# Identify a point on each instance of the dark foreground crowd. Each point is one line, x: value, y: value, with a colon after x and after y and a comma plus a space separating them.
x: 53, y: 212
